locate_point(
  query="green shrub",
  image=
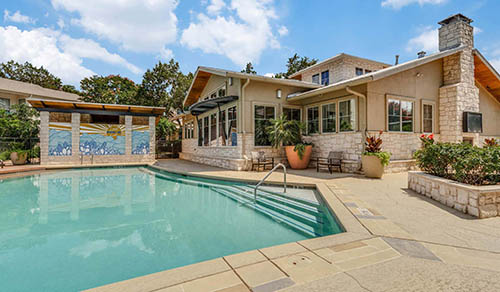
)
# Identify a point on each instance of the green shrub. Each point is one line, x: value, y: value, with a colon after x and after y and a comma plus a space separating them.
x: 383, y: 156
x: 373, y: 147
x: 461, y: 162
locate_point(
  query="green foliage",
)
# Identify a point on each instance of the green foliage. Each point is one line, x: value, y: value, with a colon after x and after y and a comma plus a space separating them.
x: 283, y: 131
x: 109, y: 89
x: 249, y: 69
x: 20, y: 122
x: 165, y: 128
x: 5, y: 155
x: 295, y: 64
x: 373, y: 144
x: 384, y: 157
x: 461, y: 162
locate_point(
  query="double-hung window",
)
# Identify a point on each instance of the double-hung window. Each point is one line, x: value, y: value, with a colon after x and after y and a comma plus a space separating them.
x: 427, y: 117
x: 262, y: 119
x: 329, y: 118
x: 315, y: 78
x: 205, y: 131
x: 347, y: 115
x: 292, y: 114
x: 399, y: 115
x: 231, y: 123
x: 312, y: 120
x: 325, y: 78
x: 4, y: 103
x: 213, y: 129
x: 222, y: 128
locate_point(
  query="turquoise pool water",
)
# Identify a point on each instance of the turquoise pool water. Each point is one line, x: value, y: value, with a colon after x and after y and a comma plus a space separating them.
x: 77, y: 229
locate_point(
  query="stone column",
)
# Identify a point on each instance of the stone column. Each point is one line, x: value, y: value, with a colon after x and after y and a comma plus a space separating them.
x: 44, y: 137
x: 152, y: 135
x: 75, y: 137
x: 128, y: 135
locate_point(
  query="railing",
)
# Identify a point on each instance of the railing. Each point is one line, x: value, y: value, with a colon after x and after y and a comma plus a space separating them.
x: 267, y: 175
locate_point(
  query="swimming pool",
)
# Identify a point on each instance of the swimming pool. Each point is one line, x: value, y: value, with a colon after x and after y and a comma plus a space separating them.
x: 81, y: 228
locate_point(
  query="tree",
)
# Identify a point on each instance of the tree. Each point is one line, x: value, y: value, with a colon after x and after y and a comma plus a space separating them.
x: 179, y: 91
x: 109, y: 89
x: 165, y: 128
x: 295, y: 64
x: 31, y: 74
x: 249, y: 69
x: 20, y: 122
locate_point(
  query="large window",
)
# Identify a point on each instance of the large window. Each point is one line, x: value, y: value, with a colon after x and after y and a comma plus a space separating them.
x: 428, y: 118
x: 329, y: 118
x: 399, y: 115
x: 312, y: 120
x: 292, y: 114
x: 189, y: 130
x: 4, y: 103
x: 262, y: 116
x: 347, y: 115
x: 325, y: 78
x: 213, y: 129
x: 205, y: 131
x: 231, y: 123
x: 222, y: 128
x: 315, y: 78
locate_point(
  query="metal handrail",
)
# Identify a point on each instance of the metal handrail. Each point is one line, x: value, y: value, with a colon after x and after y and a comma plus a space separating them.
x: 267, y: 175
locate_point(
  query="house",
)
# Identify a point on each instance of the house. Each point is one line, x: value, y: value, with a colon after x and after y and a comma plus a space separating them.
x: 15, y: 92
x: 454, y: 93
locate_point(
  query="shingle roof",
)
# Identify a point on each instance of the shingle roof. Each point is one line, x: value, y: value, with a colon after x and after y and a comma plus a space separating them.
x: 28, y: 89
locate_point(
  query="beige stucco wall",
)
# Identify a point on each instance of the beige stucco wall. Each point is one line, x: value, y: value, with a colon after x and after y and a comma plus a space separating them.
x: 13, y: 98
x: 490, y: 107
x: 406, y: 85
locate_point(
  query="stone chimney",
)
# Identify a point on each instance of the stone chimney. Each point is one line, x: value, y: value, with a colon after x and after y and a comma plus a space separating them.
x: 456, y: 31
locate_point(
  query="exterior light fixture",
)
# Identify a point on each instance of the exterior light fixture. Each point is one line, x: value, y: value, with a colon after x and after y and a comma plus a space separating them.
x: 278, y: 94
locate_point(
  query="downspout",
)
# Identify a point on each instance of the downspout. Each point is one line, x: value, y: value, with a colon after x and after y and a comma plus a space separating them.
x: 241, y: 113
x: 359, y: 94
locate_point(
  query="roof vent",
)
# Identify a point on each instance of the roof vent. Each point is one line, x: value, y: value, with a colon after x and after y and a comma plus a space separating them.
x: 421, y: 54
x: 397, y: 60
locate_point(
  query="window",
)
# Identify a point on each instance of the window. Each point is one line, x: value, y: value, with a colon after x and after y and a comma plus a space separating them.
x: 368, y: 71
x: 325, y: 79
x: 4, y: 103
x: 21, y: 101
x: 205, y: 131
x: 359, y: 71
x: 189, y: 131
x: 222, y: 91
x: 329, y: 118
x: 312, y: 120
x: 292, y: 114
x: 347, y: 116
x: 428, y: 118
x: 200, y: 132
x: 222, y: 128
x: 262, y: 117
x: 213, y: 95
x: 315, y: 78
x: 231, y: 123
x: 213, y: 128
x: 400, y: 115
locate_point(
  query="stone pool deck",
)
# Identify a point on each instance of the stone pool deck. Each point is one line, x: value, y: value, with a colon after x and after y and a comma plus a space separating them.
x: 397, y: 240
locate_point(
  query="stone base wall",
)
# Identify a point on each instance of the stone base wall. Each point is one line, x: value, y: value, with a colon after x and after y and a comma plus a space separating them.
x: 478, y: 201
x: 397, y: 166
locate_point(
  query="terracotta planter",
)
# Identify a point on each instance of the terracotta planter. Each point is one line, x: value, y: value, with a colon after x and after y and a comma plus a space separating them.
x: 18, y: 158
x: 372, y: 167
x: 294, y: 160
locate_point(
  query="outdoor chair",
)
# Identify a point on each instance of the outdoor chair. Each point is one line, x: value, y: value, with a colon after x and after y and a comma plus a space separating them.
x: 259, y: 160
x: 334, y: 160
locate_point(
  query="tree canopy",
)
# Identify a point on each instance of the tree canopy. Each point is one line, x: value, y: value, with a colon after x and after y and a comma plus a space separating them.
x: 109, y: 89
x: 20, y: 122
x: 249, y: 69
x: 295, y: 64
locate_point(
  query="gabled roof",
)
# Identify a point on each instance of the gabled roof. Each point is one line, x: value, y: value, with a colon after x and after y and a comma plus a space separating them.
x: 486, y: 75
x: 29, y: 89
x: 203, y: 74
x: 339, y: 56
x: 377, y: 75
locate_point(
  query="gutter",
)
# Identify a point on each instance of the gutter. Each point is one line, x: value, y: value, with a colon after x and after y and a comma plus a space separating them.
x: 240, y: 114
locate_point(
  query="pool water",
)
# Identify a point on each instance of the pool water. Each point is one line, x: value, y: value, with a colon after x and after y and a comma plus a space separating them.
x: 77, y: 229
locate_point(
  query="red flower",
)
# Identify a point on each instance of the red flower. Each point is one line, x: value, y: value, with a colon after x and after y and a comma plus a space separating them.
x: 422, y: 136
x: 431, y: 136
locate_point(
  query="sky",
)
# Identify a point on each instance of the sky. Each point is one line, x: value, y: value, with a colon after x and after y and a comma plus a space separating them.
x: 75, y: 39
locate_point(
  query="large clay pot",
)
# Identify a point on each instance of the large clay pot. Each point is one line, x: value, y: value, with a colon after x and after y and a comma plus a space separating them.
x: 294, y: 160
x: 372, y: 166
x: 18, y: 158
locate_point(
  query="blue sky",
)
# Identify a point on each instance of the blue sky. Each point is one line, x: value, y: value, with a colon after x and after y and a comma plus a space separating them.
x: 75, y: 39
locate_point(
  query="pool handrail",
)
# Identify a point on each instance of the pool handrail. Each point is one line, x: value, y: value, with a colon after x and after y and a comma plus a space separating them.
x: 267, y: 175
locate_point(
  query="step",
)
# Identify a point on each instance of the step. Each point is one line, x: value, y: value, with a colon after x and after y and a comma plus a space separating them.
x: 284, y: 195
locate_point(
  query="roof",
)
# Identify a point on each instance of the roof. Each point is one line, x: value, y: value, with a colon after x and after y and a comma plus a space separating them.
x: 25, y: 88
x: 94, y: 108
x: 486, y: 75
x: 206, y: 105
x: 341, y: 55
x: 203, y: 74
x: 383, y: 73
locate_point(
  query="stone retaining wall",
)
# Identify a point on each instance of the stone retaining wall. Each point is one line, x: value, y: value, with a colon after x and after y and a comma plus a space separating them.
x: 478, y: 201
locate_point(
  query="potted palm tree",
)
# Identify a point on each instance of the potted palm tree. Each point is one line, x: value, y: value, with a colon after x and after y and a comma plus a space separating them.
x: 287, y: 133
x: 374, y: 159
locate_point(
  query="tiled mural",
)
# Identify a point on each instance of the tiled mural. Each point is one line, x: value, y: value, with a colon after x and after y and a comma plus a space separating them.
x: 140, y: 140
x: 60, y: 139
x: 102, y: 139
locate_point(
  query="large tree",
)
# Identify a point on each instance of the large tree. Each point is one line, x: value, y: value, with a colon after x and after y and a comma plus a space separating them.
x: 295, y: 64
x: 249, y: 69
x: 37, y: 75
x: 109, y: 89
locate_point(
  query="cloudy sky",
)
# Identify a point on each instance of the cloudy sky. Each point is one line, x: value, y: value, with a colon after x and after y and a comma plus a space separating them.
x: 75, y: 38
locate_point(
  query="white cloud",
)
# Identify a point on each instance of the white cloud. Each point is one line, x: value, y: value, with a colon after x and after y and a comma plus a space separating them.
x: 398, y: 4
x: 61, y: 23
x: 496, y: 63
x: 269, y: 74
x: 136, y: 25
x: 215, y: 6
x: 427, y: 40
x: 60, y: 54
x: 283, y: 31
x: 241, y: 36
x: 17, y: 17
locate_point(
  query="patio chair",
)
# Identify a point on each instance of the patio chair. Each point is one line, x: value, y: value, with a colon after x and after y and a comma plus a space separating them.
x: 334, y: 160
x: 259, y: 160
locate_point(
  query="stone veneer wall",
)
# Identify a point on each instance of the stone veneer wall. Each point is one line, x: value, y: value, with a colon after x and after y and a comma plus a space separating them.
x: 478, y: 201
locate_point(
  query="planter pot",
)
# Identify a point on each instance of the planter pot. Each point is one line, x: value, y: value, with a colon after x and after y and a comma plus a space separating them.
x: 294, y: 160
x: 18, y: 158
x: 372, y: 167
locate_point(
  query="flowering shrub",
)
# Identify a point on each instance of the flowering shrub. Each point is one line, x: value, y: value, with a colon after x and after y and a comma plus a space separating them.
x: 491, y: 142
x: 426, y: 140
x: 373, y: 147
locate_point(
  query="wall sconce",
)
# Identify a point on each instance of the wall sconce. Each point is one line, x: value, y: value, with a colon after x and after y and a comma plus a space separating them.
x: 278, y: 94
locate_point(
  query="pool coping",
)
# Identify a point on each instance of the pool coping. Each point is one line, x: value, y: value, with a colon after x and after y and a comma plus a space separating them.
x: 354, y: 231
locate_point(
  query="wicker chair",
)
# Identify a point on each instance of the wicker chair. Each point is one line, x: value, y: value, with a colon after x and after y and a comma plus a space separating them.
x: 259, y: 160
x: 334, y: 160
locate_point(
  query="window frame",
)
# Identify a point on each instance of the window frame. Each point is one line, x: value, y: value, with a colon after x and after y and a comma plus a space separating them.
x: 433, y: 104
x: 327, y: 77
x: 401, y: 99
x: 318, y: 106
x: 8, y: 103
x: 293, y: 108
x: 360, y: 69
x: 335, y: 106
x: 315, y: 75
x: 255, y: 104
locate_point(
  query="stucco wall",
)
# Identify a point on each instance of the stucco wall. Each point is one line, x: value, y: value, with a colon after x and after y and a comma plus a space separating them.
x: 490, y: 108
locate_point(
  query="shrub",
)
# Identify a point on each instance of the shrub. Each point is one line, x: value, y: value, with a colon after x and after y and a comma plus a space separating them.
x: 461, y: 162
x: 373, y: 147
